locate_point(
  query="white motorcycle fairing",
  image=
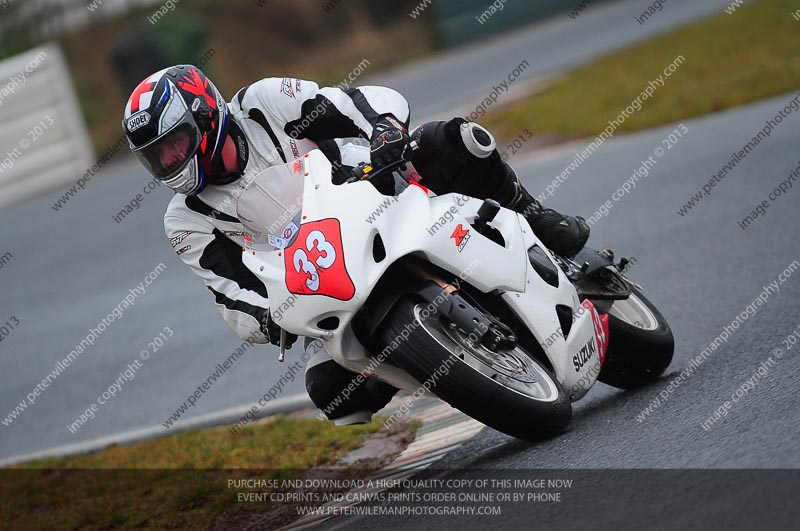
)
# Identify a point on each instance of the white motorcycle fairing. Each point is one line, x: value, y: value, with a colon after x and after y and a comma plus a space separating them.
x: 312, y: 245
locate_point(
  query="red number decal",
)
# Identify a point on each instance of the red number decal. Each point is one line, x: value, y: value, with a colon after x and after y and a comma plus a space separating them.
x: 315, y: 262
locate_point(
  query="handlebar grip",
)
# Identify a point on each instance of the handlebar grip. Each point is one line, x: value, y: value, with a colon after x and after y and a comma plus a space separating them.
x: 367, y: 171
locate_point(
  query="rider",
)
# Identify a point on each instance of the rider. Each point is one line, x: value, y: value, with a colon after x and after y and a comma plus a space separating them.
x: 184, y: 133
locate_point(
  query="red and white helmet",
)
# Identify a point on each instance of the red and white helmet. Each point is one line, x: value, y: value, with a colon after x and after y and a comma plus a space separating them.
x: 176, y: 121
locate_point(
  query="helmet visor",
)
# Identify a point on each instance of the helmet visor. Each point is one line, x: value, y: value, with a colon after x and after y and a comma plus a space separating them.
x: 169, y: 154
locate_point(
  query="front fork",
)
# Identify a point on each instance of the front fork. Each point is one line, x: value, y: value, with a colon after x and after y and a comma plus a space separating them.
x: 470, y: 317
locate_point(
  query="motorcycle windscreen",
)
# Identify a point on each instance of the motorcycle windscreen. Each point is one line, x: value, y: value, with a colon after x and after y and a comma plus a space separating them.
x: 271, y: 205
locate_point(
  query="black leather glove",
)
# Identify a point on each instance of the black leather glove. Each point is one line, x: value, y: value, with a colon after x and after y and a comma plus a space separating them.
x: 389, y: 142
x: 273, y: 332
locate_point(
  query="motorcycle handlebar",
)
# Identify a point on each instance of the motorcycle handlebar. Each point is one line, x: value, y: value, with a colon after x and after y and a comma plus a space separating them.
x: 367, y: 172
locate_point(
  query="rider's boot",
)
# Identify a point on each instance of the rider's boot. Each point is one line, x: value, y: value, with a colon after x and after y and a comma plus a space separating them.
x: 343, y: 396
x: 564, y: 235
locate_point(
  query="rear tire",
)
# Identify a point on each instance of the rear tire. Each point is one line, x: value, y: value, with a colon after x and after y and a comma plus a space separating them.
x: 640, y: 342
x: 473, y: 379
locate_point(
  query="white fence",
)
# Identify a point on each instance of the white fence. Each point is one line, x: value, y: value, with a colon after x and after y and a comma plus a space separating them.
x: 44, y: 144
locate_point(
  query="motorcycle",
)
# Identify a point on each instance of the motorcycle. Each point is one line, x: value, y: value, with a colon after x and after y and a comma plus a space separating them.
x: 446, y: 293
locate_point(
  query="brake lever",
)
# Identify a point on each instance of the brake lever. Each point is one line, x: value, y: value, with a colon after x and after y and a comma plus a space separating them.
x: 366, y: 172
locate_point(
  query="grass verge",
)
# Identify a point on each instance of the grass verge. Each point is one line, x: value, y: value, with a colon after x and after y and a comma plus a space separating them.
x: 176, y: 482
x: 731, y: 60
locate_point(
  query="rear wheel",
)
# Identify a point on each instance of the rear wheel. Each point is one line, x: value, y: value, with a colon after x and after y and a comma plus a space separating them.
x: 509, y: 390
x: 640, y: 343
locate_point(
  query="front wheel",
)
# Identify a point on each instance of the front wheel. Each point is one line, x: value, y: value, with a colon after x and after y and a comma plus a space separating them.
x: 640, y: 343
x: 508, y: 390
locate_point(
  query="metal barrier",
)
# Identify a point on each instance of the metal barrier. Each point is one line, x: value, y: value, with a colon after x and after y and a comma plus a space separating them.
x: 43, y: 140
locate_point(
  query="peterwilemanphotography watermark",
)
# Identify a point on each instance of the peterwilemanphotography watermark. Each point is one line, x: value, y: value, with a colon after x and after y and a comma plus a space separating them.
x: 498, y: 89
x: 608, y: 132
x: 728, y: 331
x: 5, y: 259
x: 61, y: 366
x: 21, y: 78
x: 125, y: 376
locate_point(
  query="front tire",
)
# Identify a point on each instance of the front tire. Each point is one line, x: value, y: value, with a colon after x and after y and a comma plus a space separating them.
x: 641, y: 344
x: 510, y: 390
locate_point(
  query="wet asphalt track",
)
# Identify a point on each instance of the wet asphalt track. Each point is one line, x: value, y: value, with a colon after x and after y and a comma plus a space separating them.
x: 701, y: 270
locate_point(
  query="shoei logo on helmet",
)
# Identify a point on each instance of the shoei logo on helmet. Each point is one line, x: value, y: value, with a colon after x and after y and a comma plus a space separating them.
x: 138, y: 121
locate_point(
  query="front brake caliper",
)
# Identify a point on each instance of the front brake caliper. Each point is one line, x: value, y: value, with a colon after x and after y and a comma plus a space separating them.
x: 488, y: 331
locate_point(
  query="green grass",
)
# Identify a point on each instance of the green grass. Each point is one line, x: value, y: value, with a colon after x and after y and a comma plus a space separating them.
x: 184, y: 481
x: 730, y: 60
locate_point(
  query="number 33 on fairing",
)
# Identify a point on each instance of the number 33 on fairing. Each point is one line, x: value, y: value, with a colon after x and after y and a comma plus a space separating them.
x: 315, y: 262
